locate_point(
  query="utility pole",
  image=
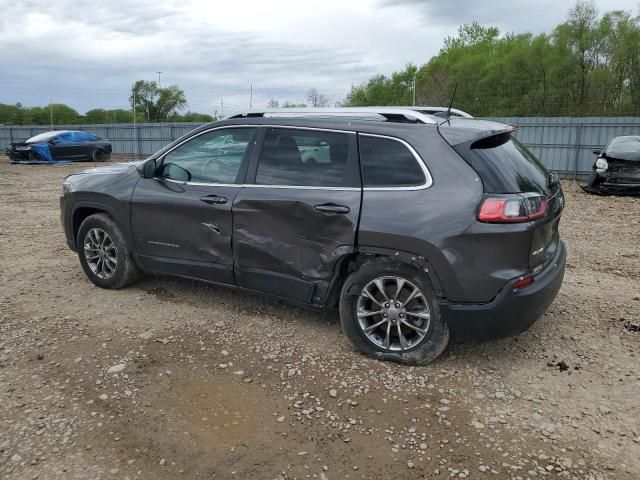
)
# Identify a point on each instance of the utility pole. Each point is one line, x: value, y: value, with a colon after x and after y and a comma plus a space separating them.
x: 222, y: 107
x: 159, y: 84
x: 414, y: 90
x: 251, y: 96
x: 51, y: 113
x: 135, y: 127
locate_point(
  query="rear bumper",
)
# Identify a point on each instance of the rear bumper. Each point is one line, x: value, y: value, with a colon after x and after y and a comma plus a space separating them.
x: 510, y: 312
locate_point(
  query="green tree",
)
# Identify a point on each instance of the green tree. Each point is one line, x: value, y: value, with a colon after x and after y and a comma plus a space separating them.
x: 155, y: 103
x: 587, y: 65
x: 194, y: 117
x: 96, y: 115
x: 11, y: 114
x: 288, y: 104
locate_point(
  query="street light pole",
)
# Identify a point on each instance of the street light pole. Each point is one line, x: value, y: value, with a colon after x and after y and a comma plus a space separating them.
x: 414, y: 90
x: 135, y: 126
x: 159, y: 84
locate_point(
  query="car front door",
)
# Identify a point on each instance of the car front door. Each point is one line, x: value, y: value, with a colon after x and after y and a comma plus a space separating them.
x: 295, y: 219
x: 62, y: 147
x: 182, y: 219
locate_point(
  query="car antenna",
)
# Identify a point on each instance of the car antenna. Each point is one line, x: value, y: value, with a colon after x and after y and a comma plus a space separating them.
x: 455, y: 88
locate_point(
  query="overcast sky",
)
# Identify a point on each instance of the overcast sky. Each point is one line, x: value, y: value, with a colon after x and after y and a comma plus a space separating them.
x: 87, y: 56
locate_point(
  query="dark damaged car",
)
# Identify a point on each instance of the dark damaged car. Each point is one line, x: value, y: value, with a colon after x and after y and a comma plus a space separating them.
x: 415, y: 227
x: 60, y: 146
x: 617, y: 168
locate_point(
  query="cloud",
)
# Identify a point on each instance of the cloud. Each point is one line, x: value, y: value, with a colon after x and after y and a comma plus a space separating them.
x: 510, y: 16
x: 88, y: 54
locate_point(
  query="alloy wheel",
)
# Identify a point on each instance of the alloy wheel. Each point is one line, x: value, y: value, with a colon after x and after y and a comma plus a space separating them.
x: 393, y: 313
x: 100, y: 253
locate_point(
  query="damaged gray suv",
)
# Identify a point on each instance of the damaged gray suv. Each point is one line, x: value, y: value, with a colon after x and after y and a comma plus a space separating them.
x: 417, y: 226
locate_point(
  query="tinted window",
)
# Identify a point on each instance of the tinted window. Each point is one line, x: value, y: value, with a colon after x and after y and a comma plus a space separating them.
x: 303, y: 158
x: 388, y: 163
x: 506, y: 166
x: 213, y: 157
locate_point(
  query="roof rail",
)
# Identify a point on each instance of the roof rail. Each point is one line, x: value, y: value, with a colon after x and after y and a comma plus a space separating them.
x: 398, y: 114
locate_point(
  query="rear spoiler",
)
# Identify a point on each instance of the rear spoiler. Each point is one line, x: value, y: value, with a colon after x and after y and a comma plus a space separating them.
x: 464, y: 130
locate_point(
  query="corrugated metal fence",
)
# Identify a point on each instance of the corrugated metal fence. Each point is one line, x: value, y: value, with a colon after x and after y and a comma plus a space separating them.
x: 563, y: 144
x: 566, y: 144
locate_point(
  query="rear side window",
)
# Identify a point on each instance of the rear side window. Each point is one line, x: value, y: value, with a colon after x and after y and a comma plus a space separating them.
x: 388, y: 163
x: 506, y: 166
x: 303, y: 158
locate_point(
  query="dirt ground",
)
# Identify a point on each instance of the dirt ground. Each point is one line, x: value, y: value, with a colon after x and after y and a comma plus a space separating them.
x: 175, y: 379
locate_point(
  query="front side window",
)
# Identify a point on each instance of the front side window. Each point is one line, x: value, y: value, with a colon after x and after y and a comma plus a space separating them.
x: 388, y: 163
x: 303, y: 158
x: 213, y: 157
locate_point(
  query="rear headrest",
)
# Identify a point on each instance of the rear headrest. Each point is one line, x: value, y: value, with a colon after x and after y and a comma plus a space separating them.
x: 284, y: 150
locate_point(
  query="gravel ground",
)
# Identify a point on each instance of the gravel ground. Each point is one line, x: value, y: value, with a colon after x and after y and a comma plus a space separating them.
x: 175, y: 379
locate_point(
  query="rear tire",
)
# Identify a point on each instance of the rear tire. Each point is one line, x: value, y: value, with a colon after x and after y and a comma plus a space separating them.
x: 412, y: 332
x: 104, y: 255
x: 98, y: 155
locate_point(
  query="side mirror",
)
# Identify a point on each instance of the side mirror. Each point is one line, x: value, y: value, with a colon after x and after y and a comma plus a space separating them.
x: 148, y: 169
x: 597, y: 152
x: 54, y: 141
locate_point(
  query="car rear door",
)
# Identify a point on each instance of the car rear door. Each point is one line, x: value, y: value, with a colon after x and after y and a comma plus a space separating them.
x: 294, y: 219
x: 182, y: 219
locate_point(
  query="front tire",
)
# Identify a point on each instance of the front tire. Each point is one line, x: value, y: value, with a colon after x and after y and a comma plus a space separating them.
x: 389, y: 311
x: 104, y: 255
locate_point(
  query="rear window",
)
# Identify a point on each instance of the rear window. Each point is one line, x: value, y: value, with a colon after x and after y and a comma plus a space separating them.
x: 388, y: 163
x: 506, y: 166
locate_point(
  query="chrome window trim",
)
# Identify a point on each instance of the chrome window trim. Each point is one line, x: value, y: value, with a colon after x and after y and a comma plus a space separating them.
x: 202, y: 184
x: 303, y: 187
x: 251, y: 185
x: 427, y: 175
x: 425, y: 170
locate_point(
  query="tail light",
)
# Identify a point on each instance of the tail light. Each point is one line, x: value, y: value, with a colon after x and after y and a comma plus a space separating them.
x: 513, y: 208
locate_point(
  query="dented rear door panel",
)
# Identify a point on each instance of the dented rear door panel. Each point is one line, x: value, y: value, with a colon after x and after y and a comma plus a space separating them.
x: 284, y: 246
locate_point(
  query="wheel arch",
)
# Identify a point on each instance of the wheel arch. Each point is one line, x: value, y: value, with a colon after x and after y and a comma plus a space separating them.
x: 353, y: 261
x: 82, y: 210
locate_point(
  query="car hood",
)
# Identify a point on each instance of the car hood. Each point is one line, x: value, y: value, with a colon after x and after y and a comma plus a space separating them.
x: 109, y: 169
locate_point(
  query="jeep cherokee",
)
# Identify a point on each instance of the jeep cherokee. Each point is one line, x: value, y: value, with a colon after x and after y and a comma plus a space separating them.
x: 416, y: 226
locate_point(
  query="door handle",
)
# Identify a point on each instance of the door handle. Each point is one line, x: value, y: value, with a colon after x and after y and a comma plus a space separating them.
x: 214, y: 200
x: 332, y: 208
